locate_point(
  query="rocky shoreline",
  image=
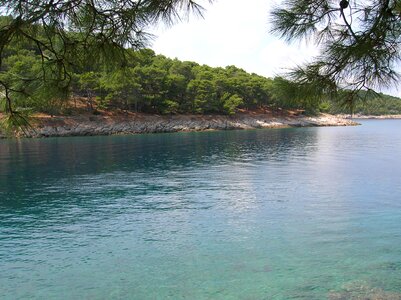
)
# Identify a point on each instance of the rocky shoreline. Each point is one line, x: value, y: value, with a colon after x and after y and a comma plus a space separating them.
x: 110, y: 125
x: 380, y: 117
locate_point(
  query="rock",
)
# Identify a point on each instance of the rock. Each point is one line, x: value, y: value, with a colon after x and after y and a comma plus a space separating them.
x: 70, y: 126
x: 359, y: 290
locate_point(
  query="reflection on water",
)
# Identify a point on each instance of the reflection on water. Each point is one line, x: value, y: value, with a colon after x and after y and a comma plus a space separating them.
x: 274, y: 214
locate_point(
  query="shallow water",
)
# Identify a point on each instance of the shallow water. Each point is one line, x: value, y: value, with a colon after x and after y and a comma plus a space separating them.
x: 302, y: 213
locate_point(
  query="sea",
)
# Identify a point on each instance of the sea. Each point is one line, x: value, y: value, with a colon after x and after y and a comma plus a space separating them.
x: 294, y: 213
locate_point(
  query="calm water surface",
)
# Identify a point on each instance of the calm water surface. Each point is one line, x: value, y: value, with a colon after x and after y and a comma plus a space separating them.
x: 303, y: 213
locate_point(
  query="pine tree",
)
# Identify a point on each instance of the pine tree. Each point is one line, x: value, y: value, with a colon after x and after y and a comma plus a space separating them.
x: 360, y: 42
x: 69, y: 33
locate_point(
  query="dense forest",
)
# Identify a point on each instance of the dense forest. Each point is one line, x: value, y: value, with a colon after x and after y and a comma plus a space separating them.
x: 150, y: 83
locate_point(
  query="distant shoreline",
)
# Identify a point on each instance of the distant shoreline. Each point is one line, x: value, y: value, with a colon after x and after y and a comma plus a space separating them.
x: 91, y: 125
x: 365, y: 117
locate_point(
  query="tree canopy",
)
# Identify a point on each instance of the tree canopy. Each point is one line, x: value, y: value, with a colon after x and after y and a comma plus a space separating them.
x: 147, y: 83
x: 151, y: 83
x: 360, y: 42
x: 50, y: 49
x: 66, y: 33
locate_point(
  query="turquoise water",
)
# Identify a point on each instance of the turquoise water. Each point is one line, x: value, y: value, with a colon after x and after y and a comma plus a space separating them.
x: 303, y: 213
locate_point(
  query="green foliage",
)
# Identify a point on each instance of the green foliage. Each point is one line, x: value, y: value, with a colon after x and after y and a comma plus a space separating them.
x: 294, y: 94
x: 16, y: 122
x: 146, y: 82
x: 325, y: 107
x: 50, y: 51
x: 169, y: 107
x: 89, y: 81
x: 360, y: 43
x: 231, y: 103
x: 154, y: 83
x: 21, y: 75
x: 369, y: 104
x: 72, y: 36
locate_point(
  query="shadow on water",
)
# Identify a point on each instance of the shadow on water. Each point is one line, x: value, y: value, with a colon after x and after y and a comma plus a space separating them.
x: 28, y: 167
x: 63, y: 196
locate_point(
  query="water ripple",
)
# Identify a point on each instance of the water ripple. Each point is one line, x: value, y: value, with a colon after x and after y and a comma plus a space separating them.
x: 308, y: 213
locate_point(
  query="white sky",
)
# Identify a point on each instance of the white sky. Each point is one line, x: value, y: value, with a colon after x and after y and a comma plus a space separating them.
x: 233, y: 32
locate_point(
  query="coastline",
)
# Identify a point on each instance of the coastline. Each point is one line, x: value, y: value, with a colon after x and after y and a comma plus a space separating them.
x: 88, y: 125
x: 368, y: 117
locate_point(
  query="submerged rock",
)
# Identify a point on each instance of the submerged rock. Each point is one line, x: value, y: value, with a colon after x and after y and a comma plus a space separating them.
x: 362, y: 291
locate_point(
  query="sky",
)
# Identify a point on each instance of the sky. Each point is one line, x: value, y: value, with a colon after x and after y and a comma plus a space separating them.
x: 234, y: 32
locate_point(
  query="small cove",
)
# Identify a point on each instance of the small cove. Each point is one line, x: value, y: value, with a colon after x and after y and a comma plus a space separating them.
x: 295, y: 213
